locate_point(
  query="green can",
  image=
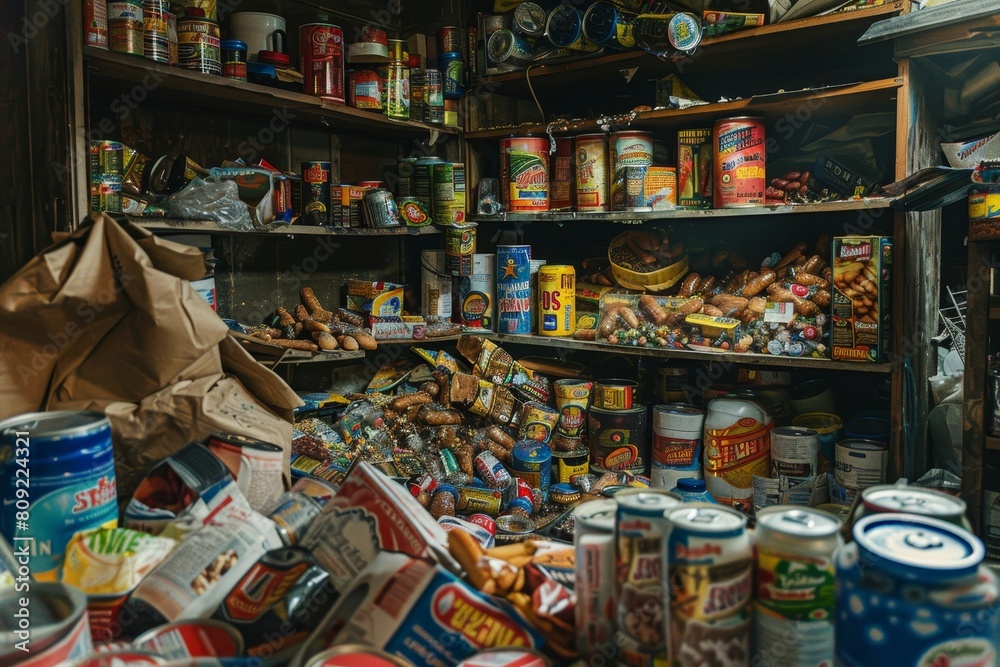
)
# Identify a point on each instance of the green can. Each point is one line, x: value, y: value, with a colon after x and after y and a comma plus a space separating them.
x: 459, y: 247
x: 397, y: 92
x: 448, y: 193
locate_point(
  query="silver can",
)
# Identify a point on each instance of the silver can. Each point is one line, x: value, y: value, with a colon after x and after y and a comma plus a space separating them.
x: 529, y: 20
x: 594, y: 541
x: 380, y: 208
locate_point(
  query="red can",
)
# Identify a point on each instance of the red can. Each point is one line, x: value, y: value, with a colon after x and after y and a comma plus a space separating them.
x: 524, y: 491
x: 739, y: 148
x: 561, y: 175
x: 321, y: 55
x: 484, y: 521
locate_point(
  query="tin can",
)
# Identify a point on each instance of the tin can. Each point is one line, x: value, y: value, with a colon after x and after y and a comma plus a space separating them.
x: 532, y: 462
x: 68, y: 460
x: 561, y: 175
x: 591, y: 192
x: 435, y: 284
x: 892, y: 499
x: 615, y: 394
x: 618, y: 440
x: 710, y: 576
x: 321, y: 57
x: 635, y: 188
x: 397, y: 51
x: 739, y: 162
x: 450, y: 39
x: 125, y: 34
x: 510, y: 48
x: 451, y: 116
x: 418, y: 89
x: 628, y: 149
x: 660, y: 187
x: 794, y: 453
x: 397, y: 92
x: 475, y: 500
x: 433, y: 97
x: 476, y: 293
x: 256, y: 466
x: 538, y: 421
x: 572, y: 400
x: 695, y: 168
x: 453, y: 74
x: 173, y: 56
x: 423, y: 179
x: 594, y: 547
x: 556, y: 300
x: 513, y: 274
x: 641, y: 588
x: 794, y: 595
x: 564, y: 29
x: 860, y: 464
x: 671, y: 384
x: 484, y: 521
x: 364, y: 89
x: 155, y: 41
x: 106, y: 158
x: 95, y: 24
x: 316, y: 193
x: 354, y: 655
x: 448, y: 199
x: 59, y: 627
x: 507, y: 657
x: 320, y: 490
x: 606, y: 25
x: 234, y: 59
x: 380, y: 208
x: 912, y: 590
x: 106, y: 194
x: 491, y: 471
x: 568, y: 465
x: 677, y: 448
x: 198, y: 44
x: 524, y: 174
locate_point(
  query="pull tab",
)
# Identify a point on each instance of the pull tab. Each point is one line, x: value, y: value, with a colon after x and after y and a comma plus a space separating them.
x: 923, y: 541
x: 800, y: 518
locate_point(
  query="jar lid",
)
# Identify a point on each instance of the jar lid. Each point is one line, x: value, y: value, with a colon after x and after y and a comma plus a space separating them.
x: 233, y: 45
x: 261, y: 69
x: 691, y: 485
x: 275, y: 58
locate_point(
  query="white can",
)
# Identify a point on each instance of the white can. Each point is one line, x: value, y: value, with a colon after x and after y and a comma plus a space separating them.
x: 794, y: 453
x: 861, y: 463
x: 594, y: 540
x: 476, y: 293
x: 435, y: 284
x: 676, y: 451
x: 206, y: 290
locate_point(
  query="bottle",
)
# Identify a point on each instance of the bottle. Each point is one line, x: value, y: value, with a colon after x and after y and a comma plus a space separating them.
x: 692, y: 490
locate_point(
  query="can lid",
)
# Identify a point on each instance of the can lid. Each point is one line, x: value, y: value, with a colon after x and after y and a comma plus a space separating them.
x: 821, y: 422
x: 515, y: 525
x: 531, y: 450
x: 447, y: 488
x: 909, y: 500
x: 646, y: 503
x: 600, y: 22
x: 862, y: 445
x: 795, y: 432
x: 529, y: 18
x: 684, y: 31
x: 521, y: 502
x: 715, y: 521
x: 233, y: 45
x: 797, y: 521
x: 564, y: 25
x: 918, y: 548
x: 55, y: 424
x: 597, y: 514
x: 691, y: 485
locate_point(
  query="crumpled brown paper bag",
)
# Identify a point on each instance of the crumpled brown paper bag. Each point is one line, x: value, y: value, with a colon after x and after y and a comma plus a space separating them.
x: 106, y: 320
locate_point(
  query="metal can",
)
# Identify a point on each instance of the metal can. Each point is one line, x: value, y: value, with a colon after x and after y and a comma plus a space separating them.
x: 618, y: 440
x: 568, y: 465
x: 155, y: 41
x: 380, y: 208
x: 67, y: 457
x: 448, y: 196
x: 513, y: 278
x: 476, y: 293
x: 397, y: 91
x: 321, y: 57
x: 661, y: 188
x: 476, y: 500
x: 591, y: 172
x: 694, y: 168
x: 635, y: 188
x: 397, y: 51
x: 234, y: 59
x: 532, y: 461
x: 594, y: 546
x: 739, y: 162
x: 556, y: 300
x: 106, y: 193
x: 450, y: 39
x: 316, y: 193
x: 677, y: 448
x: 451, y: 114
x: 59, y: 627
x: 529, y: 20
x: 710, y: 577
x: 538, y: 421
x: 606, y: 25
x: 364, y: 89
x: 561, y: 175
x: 794, y: 595
x: 860, y: 464
x: 453, y: 74
x: 510, y: 48
x: 484, y: 521
x: 354, y: 655
x: 293, y: 515
x: 125, y: 28
x: 491, y: 471
x: 911, y: 590
x: 892, y: 499
x: 256, y: 466
x: 524, y: 174
x: 106, y: 158
x: 95, y: 24
x: 628, y: 149
x: 615, y: 394
x: 433, y: 97
x: 641, y: 588
x: 198, y: 45
x: 564, y: 28
x: 423, y: 179
x: 794, y: 453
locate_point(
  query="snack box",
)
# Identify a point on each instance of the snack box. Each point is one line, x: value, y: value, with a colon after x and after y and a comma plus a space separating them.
x: 407, y: 327
x: 375, y: 298
x: 862, y: 268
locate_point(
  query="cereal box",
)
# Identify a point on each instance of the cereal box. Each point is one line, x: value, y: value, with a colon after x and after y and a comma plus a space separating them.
x: 862, y: 266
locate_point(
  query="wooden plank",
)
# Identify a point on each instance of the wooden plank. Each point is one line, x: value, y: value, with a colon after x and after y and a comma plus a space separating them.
x: 212, y: 227
x: 975, y: 381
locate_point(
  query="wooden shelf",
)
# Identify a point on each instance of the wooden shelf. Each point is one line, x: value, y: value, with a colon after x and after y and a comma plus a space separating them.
x: 992, y: 443
x: 720, y: 357
x: 804, y: 33
x: 212, y: 227
x: 995, y: 312
x: 157, y: 81
x: 872, y: 96
x: 867, y: 203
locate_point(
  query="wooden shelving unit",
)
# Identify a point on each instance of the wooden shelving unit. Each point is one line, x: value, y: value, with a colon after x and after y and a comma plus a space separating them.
x: 211, y: 227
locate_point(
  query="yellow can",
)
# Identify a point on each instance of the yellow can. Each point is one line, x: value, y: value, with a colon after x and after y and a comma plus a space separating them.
x: 984, y: 202
x: 556, y: 300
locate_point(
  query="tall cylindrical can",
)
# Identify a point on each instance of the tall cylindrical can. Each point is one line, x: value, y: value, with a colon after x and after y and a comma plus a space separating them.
x: 435, y: 284
x: 561, y: 175
x: 448, y: 198
x: 858, y: 465
x: 397, y: 91
x: 450, y: 39
x: 433, y: 96
x: 911, y: 590
x: 794, y: 453
x: 534, y: 266
x: 155, y: 41
x: 198, y: 44
x: 531, y: 461
x: 708, y: 566
x: 594, y: 543
x: 591, y: 172
x: 524, y: 174
x: 529, y: 20
x: 508, y: 49
x: 641, y: 589
x: 513, y: 289
x: 95, y: 24
x: 460, y: 247
x: 453, y: 74
x: 315, y: 193
x: 894, y: 499
x: 606, y: 25
x: 125, y: 27
x: 556, y: 300
x: 628, y: 149
x: 321, y: 57
x: 739, y: 162
x: 564, y: 29
x: 676, y: 448
x: 423, y: 180
x: 618, y: 440
x: 476, y: 293
x: 794, y: 595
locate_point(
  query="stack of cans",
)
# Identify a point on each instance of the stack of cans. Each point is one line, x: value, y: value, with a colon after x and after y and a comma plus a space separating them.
x: 106, y: 176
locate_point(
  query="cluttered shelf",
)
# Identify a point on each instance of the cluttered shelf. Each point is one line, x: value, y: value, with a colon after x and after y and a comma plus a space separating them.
x: 231, y: 95
x: 212, y: 227
x: 878, y: 95
x: 806, y: 32
x: 722, y: 357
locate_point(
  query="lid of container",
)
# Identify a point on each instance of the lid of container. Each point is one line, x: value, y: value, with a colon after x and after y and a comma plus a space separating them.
x: 600, y: 22
x: 797, y: 522
x: 684, y: 31
x: 514, y: 525
x: 910, y: 500
x: 597, y: 514
x: 522, y: 502
x: 275, y: 58
x: 233, y: 45
x: 261, y: 69
x: 447, y: 488
x: 691, y: 485
x: 563, y: 26
x: 529, y: 18
x: 821, y: 422
x: 645, y: 503
x: 715, y: 521
x: 794, y: 431
x: 54, y: 424
x: 367, y: 52
x: 917, y: 547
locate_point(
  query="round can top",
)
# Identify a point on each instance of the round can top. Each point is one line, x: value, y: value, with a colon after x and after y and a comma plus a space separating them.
x: 600, y: 22
x: 596, y: 514
x: 355, y: 655
x: 863, y: 445
x: 691, y: 485
x: 684, y: 31
x: 797, y: 522
x: 909, y: 500
x: 500, y: 45
x: 530, y: 19
x: 646, y: 503
x: 794, y: 432
x: 918, y: 548
x: 514, y: 525
x: 233, y: 45
x: 705, y: 520
x: 447, y: 488
x: 682, y: 409
x: 564, y: 25
x: 821, y: 422
x: 55, y: 424
x: 531, y: 450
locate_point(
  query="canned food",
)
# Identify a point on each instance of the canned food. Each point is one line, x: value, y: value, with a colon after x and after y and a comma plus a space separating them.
x: 434, y: 97
x: 321, y: 57
x: 591, y: 172
x: 460, y: 248
x: 95, y: 24
x: 532, y: 462
x: 453, y: 74
x: 635, y: 188
x: 106, y: 194
x: 913, y: 500
x: 508, y: 47
x: 397, y: 92
x: 594, y: 545
x: 183, y: 640
x: 614, y: 394
x: 423, y: 179
x: 618, y: 440
x: 198, y: 44
x: 606, y: 25
x: 234, y: 59
x: 739, y: 162
x: 106, y: 158
x: 492, y: 471
x: 561, y: 175
x: 628, y: 149
x: 254, y: 464
x: 524, y: 174
x: 513, y: 277
x: 477, y: 292
x: 448, y: 198
x: 529, y: 20
x: 567, y: 466
x: 364, y: 89
x: 155, y: 40
x: 794, y: 453
x: 477, y: 500
x: 58, y: 631
x: 316, y: 193
x: 450, y: 39
x: 538, y: 421
x: 513, y: 528
x: 677, y: 448
x: 572, y: 401
x: 355, y: 655
x: 860, y: 464
x: 125, y: 27
x: 397, y: 51
x: 564, y: 29
x: 380, y: 208
x: 556, y: 300
x: 660, y: 187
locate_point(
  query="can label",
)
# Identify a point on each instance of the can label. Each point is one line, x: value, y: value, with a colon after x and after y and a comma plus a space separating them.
x: 525, y: 174
x: 734, y: 455
x: 991, y: 523
x: 514, y: 289
x: 454, y: 76
x: 322, y: 55
x: 739, y: 163
x: 95, y: 20
x: 660, y: 187
x: 397, y: 92
x: 561, y: 175
x: 797, y: 588
x: 618, y: 440
x: 198, y: 46
x: 629, y: 149
x: 475, y: 293
x: 569, y: 465
x: 448, y: 198
x: 532, y: 462
x: 640, y: 592
x: 556, y: 300
x: 595, y: 589
x: 694, y: 168
x: 315, y: 193
x: 592, y: 173
x: 125, y: 36
x: 858, y: 468
x: 472, y: 500
x: 673, y: 459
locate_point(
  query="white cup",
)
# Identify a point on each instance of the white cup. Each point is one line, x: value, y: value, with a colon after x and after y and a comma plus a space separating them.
x: 257, y: 30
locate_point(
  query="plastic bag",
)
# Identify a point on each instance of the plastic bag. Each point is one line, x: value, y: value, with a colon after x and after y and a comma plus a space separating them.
x: 212, y: 200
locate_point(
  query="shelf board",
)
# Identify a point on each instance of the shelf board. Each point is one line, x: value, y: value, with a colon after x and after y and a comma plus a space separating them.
x: 804, y: 33
x: 995, y: 312
x: 163, y: 82
x: 721, y: 357
x: 212, y: 227
x: 867, y: 203
x: 992, y: 443
x: 315, y: 357
x: 870, y: 95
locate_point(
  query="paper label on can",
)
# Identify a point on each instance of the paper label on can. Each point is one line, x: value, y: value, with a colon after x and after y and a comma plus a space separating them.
x: 640, y: 586
x: 675, y: 452
x: 595, y: 593
x: 709, y: 606
x: 795, y: 588
x: 741, y: 444
x: 514, y: 292
x: 591, y: 174
x: 529, y: 180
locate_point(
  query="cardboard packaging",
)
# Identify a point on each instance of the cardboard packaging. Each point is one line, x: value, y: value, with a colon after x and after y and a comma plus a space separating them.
x: 862, y: 267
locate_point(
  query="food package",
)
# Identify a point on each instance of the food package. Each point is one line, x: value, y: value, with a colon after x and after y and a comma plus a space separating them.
x: 484, y: 398
x: 491, y: 362
x: 107, y: 320
x: 862, y: 266
x: 375, y: 298
x: 407, y: 327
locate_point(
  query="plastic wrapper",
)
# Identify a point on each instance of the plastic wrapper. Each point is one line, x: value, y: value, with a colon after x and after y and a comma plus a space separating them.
x: 212, y: 200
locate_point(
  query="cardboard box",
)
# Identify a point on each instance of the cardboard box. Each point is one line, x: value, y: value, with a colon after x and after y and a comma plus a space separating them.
x: 375, y: 298
x: 862, y: 267
x: 397, y: 328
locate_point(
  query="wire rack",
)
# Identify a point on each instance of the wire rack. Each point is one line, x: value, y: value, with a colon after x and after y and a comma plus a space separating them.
x: 953, y: 320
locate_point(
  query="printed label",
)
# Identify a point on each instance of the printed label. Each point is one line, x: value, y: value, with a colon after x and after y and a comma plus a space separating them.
x: 798, y: 588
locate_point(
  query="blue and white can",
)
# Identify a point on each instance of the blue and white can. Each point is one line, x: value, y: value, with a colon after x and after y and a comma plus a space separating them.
x: 531, y: 461
x: 912, y: 591
x: 514, y: 289
x: 59, y: 469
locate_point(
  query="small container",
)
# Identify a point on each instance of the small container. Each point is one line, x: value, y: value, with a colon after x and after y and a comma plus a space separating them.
x: 453, y: 74
x: 433, y: 97
x: 397, y: 51
x: 529, y: 20
x: 510, y: 48
x: 444, y: 500
x: 692, y: 490
x: 234, y: 59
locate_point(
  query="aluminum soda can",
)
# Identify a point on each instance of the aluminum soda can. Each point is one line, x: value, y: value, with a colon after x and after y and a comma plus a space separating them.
x: 594, y: 542
x: 491, y: 471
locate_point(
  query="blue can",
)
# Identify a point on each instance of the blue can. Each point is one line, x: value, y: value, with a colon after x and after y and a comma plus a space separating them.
x: 514, y: 289
x: 531, y: 461
x: 911, y: 590
x: 564, y: 28
x: 605, y: 24
x: 453, y: 74
x: 59, y: 469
